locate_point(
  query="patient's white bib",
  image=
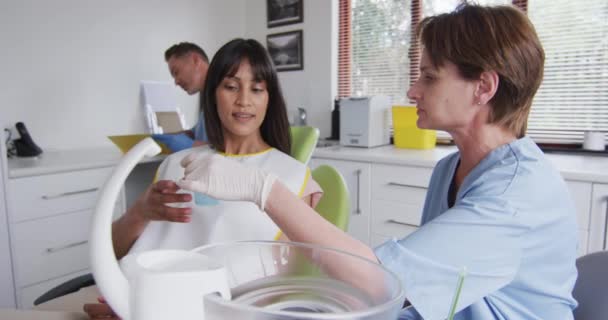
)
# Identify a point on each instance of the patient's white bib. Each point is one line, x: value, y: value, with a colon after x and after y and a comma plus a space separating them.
x: 227, y: 220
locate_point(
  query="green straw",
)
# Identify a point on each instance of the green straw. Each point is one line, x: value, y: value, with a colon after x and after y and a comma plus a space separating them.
x: 461, y: 275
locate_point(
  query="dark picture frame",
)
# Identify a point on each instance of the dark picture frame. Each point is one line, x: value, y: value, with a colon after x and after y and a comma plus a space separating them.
x: 286, y: 50
x: 284, y: 12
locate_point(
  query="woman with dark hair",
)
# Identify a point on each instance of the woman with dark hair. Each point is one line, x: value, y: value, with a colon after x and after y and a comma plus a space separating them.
x: 246, y: 120
x: 272, y: 125
x: 496, y: 207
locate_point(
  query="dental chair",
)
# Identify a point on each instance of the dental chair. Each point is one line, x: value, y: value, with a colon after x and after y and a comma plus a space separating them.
x: 334, y: 206
x: 591, y: 288
x: 303, y: 142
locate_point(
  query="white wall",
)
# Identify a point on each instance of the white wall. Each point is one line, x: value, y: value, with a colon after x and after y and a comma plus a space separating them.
x: 70, y: 69
x: 315, y: 87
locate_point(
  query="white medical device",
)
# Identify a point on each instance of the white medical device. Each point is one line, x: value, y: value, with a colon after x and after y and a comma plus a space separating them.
x: 364, y: 121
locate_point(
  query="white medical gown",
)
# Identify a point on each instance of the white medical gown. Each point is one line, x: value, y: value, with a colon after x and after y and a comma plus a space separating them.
x: 513, y: 226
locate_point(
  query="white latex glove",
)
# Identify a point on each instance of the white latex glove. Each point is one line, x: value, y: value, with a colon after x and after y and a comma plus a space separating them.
x: 226, y: 179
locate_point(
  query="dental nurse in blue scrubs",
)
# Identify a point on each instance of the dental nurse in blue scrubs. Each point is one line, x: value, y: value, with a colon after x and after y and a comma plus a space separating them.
x: 497, y: 207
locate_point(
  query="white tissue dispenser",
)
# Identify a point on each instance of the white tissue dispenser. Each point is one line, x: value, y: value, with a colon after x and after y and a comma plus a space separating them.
x: 364, y: 121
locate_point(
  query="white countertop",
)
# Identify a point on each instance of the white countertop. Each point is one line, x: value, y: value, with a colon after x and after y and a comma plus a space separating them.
x: 572, y: 166
x: 55, y: 161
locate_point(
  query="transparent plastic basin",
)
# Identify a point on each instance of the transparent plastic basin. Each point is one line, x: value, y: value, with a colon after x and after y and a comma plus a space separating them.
x: 285, y: 280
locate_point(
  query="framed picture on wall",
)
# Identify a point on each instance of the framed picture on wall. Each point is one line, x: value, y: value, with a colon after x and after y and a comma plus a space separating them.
x: 282, y: 12
x: 286, y: 50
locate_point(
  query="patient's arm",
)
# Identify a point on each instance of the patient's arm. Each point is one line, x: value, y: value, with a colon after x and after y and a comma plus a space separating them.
x: 302, y: 224
x: 151, y: 205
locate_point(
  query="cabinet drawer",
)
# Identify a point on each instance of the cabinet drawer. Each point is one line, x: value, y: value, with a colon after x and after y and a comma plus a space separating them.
x: 47, y: 195
x: 28, y: 295
x: 581, y: 195
x: 51, y: 247
x: 583, y: 241
x: 395, y: 219
x: 397, y: 183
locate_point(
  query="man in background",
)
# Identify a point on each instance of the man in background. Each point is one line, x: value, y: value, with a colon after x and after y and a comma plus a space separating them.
x: 188, y: 65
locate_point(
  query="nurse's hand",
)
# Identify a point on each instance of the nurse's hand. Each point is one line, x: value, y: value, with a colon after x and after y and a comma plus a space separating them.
x: 225, y: 179
x: 100, y: 310
x: 159, y: 203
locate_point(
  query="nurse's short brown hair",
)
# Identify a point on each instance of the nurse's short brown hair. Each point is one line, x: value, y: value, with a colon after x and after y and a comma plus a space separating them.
x: 501, y: 39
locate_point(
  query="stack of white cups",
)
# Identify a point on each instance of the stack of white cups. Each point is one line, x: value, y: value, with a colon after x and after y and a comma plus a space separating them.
x: 594, y: 140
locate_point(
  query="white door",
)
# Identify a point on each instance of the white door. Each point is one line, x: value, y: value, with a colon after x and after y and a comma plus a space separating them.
x: 357, y: 177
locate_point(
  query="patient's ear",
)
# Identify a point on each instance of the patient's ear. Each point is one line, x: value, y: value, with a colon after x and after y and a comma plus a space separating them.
x: 487, y: 86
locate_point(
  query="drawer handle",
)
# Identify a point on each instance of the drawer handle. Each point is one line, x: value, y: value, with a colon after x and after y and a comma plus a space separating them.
x: 393, y: 221
x: 67, y: 246
x: 358, y: 174
x: 66, y: 194
x: 397, y: 184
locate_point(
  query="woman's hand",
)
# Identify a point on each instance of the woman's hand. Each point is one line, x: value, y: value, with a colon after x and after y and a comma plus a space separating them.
x: 155, y: 203
x: 100, y: 310
x: 226, y: 179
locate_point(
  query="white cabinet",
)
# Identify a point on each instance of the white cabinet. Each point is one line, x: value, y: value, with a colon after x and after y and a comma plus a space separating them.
x: 398, y: 194
x: 591, y: 205
x: 52, y: 194
x: 7, y: 291
x: 49, y: 222
x: 598, y: 237
x: 49, y: 204
x: 393, y: 184
x: 581, y: 195
x: 394, y: 194
x: 357, y: 177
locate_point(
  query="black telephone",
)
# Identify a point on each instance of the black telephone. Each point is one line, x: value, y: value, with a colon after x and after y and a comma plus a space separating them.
x: 25, y: 146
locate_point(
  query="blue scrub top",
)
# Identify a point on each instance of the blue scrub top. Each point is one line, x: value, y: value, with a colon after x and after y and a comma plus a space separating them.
x: 199, y: 129
x: 513, y: 226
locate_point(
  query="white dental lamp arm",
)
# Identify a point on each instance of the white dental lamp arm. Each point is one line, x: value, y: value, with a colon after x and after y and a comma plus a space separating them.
x: 109, y: 278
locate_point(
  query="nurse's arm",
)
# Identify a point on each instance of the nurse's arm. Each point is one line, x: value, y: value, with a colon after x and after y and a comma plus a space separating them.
x: 482, y: 235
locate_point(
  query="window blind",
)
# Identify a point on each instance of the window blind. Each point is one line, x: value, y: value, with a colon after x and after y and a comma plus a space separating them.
x: 382, y: 57
x: 344, y: 45
x: 379, y: 47
x: 573, y: 97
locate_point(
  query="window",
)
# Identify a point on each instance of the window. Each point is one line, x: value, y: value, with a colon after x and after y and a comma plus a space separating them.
x: 379, y: 44
x: 573, y: 97
x: 378, y: 55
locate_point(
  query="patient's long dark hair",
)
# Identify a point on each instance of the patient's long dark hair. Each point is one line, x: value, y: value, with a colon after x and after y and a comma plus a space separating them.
x: 225, y: 63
